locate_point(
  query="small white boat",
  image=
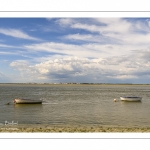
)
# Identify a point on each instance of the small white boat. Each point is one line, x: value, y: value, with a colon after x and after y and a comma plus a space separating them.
x: 26, y: 101
x: 131, y: 98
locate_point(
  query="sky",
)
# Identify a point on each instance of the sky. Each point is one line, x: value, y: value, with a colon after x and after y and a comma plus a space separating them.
x: 81, y: 50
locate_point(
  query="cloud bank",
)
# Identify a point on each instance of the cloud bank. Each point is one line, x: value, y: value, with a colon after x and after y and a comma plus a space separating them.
x: 97, y: 50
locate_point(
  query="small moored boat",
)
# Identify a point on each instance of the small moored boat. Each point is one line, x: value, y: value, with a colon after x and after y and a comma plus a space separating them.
x: 131, y: 98
x: 26, y: 101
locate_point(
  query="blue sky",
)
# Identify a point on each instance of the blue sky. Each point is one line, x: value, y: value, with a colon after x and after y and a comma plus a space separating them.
x: 97, y: 50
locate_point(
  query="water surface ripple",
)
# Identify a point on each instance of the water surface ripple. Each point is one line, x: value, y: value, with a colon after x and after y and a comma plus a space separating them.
x: 76, y: 105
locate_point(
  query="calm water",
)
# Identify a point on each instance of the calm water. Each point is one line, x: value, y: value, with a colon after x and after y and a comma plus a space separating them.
x: 76, y: 105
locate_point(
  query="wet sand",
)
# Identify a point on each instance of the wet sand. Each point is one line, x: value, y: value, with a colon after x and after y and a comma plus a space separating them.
x: 70, y: 129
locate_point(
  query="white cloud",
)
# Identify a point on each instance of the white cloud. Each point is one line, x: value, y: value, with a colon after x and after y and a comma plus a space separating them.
x: 113, y: 50
x: 28, y: 72
x: 6, y: 46
x: 91, y: 28
x: 1, y: 75
x: 57, y: 69
x: 61, y: 48
x: 86, y: 37
x: 6, y: 53
x: 4, y: 78
x: 71, y: 68
x: 64, y: 22
x: 115, y: 25
x: 114, y: 30
x: 21, y: 64
x: 95, y: 50
x: 17, y: 34
x: 148, y: 21
x: 106, y: 25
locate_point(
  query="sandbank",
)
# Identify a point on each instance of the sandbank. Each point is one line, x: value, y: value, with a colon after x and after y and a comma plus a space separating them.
x: 37, y: 128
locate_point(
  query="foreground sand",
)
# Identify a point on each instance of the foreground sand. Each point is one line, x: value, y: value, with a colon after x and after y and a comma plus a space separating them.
x: 70, y: 129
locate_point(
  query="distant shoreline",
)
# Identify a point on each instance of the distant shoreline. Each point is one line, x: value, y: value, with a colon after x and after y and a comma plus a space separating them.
x: 70, y: 84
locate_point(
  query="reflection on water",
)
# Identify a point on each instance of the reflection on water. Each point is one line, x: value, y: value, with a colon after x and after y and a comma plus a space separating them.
x: 130, y: 102
x: 29, y: 106
x: 76, y: 105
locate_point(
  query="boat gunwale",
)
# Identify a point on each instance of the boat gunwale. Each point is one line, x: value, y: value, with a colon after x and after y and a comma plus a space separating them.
x: 26, y: 101
x: 130, y: 98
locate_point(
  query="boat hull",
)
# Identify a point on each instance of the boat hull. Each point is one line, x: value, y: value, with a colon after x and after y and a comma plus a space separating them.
x: 132, y: 99
x: 27, y: 101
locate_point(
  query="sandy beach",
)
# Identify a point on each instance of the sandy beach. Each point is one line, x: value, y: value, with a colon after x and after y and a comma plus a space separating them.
x: 70, y: 129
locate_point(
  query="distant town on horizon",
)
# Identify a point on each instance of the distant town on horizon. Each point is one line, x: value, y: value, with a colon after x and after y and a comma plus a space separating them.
x: 73, y: 83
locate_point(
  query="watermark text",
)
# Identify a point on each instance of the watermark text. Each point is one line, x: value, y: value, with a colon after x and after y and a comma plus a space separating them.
x: 9, y: 123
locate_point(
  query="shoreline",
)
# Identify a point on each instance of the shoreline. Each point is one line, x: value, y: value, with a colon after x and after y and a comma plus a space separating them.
x: 66, y: 85
x: 34, y: 128
x: 78, y: 84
